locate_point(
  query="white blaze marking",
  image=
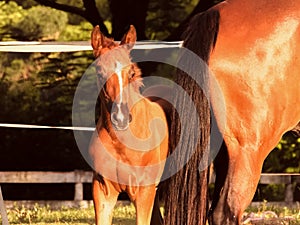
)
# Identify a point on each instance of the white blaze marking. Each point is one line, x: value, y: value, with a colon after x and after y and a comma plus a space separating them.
x: 119, y: 68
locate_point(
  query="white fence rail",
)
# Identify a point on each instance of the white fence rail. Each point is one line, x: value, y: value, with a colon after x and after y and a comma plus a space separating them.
x: 74, y: 46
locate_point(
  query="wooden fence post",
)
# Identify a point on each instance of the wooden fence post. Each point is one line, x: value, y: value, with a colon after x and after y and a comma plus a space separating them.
x: 78, y: 196
x: 3, y: 210
x: 289, y: 195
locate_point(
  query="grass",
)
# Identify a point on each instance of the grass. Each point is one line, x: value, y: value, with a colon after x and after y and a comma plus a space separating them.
x: 267, y: 214
x: 125, y: 215
x: 42, y: 215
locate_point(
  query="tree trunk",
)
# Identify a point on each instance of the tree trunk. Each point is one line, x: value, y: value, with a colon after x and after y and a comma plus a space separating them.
x: 126, y: 13
x: 93, y: 15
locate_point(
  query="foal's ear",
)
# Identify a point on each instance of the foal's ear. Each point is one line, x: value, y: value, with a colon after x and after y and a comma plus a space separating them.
x: 129, y: 38
x: 99, y: 41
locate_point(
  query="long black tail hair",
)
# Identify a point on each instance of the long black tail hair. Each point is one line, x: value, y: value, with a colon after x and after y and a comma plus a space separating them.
x: 186, y: 194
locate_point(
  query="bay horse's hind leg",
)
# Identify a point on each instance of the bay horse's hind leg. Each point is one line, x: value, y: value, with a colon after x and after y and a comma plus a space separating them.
x: 220, y: 169
x: 239, y: 187
x: 105, y: 197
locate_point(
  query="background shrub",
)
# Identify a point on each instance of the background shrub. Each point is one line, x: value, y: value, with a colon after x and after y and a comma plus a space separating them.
x: 40, y: 23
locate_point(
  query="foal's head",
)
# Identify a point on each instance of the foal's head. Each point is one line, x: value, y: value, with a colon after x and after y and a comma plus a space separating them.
x: 116, y: 74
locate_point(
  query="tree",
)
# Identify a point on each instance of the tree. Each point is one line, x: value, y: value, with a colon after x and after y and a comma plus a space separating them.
x: 90, y: 11
x: 40, y: 23
x: 140, y: 13
x: 126, y: 13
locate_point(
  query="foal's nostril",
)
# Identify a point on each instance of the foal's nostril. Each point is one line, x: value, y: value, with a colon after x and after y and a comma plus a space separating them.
x: 120, y: 119
x: 129, y: 117
x: 114, y: 117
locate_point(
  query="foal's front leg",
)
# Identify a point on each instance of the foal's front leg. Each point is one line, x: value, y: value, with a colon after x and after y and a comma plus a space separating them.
x: 105, y: 197
x: 143, y: 201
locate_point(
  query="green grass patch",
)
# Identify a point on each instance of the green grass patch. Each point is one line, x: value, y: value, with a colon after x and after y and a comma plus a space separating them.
x: 41, y: 215
x: 267, y: 214
x: 125, y: 215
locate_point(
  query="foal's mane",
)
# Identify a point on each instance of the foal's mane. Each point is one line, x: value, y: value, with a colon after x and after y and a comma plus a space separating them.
x: 137, y: 80
x: 106, y: 64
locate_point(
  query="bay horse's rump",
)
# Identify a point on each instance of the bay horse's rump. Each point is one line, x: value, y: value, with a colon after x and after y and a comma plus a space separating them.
x: 257, y: 67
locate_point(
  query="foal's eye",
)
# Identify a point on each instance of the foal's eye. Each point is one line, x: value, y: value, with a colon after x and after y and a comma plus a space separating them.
x: 131, y: 73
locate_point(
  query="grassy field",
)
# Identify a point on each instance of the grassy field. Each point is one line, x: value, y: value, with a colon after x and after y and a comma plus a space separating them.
x: 125, y: 215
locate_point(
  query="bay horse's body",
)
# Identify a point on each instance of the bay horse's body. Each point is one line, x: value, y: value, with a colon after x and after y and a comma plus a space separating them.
x: 130, y: 143
x: 253, y: 53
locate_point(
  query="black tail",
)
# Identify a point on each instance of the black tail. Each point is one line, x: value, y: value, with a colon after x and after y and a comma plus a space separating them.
x: 186, y: 197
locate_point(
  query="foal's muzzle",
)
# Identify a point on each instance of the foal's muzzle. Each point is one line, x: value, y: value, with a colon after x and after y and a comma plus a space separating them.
x: 120, y: 116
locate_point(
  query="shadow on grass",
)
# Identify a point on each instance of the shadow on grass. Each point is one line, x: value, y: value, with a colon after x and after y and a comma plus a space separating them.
x: 123, y: 221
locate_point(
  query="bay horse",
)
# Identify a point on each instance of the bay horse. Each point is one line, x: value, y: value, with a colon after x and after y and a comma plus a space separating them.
x: 252, y: 49
x: 130, y: 144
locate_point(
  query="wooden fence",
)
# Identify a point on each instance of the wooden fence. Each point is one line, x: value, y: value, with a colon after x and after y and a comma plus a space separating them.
x: 78, y: 178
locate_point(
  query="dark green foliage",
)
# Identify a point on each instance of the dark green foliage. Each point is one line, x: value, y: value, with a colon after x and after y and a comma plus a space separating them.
x: 26, y: 4
x: 39, y: 89
x: 40, y: 23
x: 285, y: 157
x: 164, y: 16
x: 10, y: 15
x: 270, y: 192
x: 72, y: 18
